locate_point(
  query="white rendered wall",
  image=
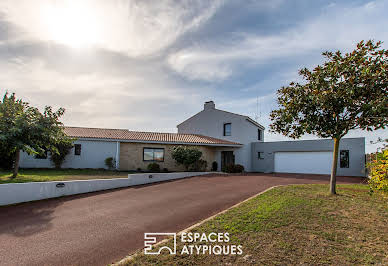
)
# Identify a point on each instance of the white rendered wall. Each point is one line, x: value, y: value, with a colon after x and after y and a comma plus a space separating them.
x: 93, y: 155
x: 23, y: 192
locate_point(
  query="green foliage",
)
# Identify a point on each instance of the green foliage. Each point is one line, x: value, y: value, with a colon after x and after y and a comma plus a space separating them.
x: 6, y: 158
x: 349, y: 91
x: 234, y: 168
x: 186, y: 156
x: 110, y: 162
x: 214, y: 166
x: 379, y: 171
x: 63, y: 147
x: 26, y: 129
x: 153, y: 167
x: 198, y: 166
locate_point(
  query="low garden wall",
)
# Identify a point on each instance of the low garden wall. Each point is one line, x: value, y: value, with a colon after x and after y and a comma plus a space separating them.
x: 22, y: 192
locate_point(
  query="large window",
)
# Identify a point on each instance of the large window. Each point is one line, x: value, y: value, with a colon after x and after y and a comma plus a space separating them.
x: 344, y: 159
x: 259, y: 134
x: 227, y: 129
x: 77, y: 149
x: 153, y: 154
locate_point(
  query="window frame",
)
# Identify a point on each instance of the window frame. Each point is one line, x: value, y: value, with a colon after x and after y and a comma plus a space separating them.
x: 76, y: 149
x: 153, y: 154
x: 259, y: 134
x: 347, y: 163
x: 260, y: 157
x: 230, y: 131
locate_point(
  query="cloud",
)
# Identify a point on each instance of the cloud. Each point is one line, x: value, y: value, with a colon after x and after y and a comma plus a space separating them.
x: 133, y: 27
x: 336, y: 28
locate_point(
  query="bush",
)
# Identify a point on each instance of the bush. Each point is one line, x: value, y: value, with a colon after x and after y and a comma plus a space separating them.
x: 153, y: 167
x: 165, y: 170
x: 214, y: 166
x: 63, y: 148
x: 110, y: 162
x: 6, y: 158
x: 186, y: 156
x: 199, y: 166
x: 139, y: 169
x: 234, y: 168
x: 379, y: 172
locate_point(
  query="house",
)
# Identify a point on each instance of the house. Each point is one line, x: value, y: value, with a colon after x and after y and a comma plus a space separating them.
x: 222, y: 136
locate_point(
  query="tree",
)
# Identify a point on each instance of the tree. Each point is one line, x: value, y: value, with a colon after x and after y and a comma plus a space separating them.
x: 186, y: 156
x: 24, y: 128
x: 349, y: 91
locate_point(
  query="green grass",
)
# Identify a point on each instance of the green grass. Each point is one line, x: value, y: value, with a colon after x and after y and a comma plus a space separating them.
x: 40, y: 175
x: 299, y: 224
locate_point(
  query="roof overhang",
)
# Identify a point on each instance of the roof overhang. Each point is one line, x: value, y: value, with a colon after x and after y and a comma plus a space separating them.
x: 161, y: 142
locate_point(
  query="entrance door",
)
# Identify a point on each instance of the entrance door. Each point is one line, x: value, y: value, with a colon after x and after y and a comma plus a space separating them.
x: 227, y: 158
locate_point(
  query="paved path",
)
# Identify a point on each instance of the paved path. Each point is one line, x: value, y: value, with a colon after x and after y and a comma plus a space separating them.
x: 103, y: 227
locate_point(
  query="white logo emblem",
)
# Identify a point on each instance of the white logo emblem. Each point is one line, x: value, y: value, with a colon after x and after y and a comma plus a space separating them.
x: 150, y: 239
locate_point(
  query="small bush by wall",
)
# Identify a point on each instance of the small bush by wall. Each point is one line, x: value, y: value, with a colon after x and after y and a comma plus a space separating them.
x: 110, y: 162
x: 234, y: 168
x: 214, y: 166
x: 379, y: 172
x: 153, y: 167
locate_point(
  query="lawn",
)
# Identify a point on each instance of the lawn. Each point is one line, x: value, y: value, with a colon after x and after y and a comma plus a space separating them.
x: 299, y: 224
x: 38, y: 175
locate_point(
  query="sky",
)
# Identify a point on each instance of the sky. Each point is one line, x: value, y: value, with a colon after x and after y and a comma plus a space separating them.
x: 149, y: 65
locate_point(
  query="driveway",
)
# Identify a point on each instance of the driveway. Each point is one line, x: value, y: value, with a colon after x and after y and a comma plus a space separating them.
x: 103, y: 227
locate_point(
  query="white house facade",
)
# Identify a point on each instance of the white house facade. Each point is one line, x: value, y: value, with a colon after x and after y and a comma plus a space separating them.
x: 223, y: 137
x: 226, y: 125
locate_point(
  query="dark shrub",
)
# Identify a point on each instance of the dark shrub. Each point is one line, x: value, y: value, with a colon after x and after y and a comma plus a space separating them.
x: 234, y: 168
x: 199, y: 166
x: 165, y: 170
x: 109, y: 162
x: 214, y: 166
x: 6, y: 158
x: 139, y: 169
x: 153, y: 167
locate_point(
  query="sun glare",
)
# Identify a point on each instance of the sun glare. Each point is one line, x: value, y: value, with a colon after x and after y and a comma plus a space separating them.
x: 72, y: 24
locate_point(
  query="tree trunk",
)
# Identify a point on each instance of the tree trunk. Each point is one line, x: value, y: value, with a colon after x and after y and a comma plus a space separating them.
x: 334, y: 167
x: 16, y: 165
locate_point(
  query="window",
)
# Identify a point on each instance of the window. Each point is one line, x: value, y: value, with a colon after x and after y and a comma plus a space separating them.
x: 228, y: 129
x: 260, y: 155
x: 153, y: 155
x: 77, y: 149
x: 259, y: 134
x: 344, y: 159
x: 41, y: 156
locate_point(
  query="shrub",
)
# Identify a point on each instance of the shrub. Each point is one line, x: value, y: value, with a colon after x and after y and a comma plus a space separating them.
x: 139, y: 169
x: 110, y: 162
x: 153, y: 167
x: 186, y: 156
x: 165, y: 170
x: 234, y: 168
x: 63, y: 148
x: 7, y: 158
x: 379, y: 172
x: 214, y: 166
x: 200, y: 165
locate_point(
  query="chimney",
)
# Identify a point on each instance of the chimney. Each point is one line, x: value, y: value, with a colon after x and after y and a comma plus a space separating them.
x: 209, y: 105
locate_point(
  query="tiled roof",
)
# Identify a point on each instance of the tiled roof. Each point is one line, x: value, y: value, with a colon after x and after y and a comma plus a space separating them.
x: 123, y: 134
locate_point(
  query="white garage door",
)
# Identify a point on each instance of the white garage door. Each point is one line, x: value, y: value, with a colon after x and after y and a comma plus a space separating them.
x: 303, y: 162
